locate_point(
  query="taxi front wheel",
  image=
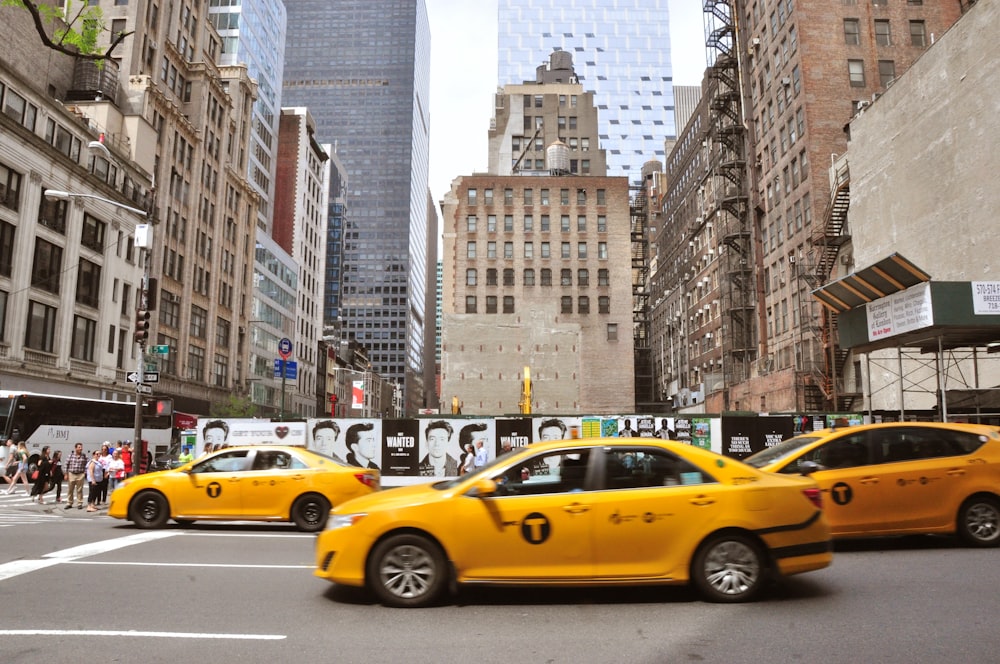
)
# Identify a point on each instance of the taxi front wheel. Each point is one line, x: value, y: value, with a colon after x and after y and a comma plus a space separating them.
x: 149, y: 510
x: 728, y: 568
x: 979, y: 521
x: 407, y: 571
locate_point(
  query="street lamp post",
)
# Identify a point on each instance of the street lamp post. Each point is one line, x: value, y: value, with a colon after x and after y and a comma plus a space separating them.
x: 143, y: 241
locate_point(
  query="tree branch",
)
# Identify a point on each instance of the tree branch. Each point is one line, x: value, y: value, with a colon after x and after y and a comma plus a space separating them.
x: 38, y: 20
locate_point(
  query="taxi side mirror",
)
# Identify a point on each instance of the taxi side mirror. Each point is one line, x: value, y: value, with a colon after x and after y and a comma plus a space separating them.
x: 809, y: 467
x: 482, y: 488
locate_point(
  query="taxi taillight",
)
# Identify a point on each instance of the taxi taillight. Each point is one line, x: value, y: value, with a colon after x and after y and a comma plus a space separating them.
x: 815, y: 496
x: 367, y: 480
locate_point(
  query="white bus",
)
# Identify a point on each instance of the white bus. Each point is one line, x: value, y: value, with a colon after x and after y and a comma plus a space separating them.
x: 60, y: 422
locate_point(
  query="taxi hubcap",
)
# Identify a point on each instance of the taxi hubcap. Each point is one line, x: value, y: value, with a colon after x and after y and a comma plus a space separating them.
x: 407, y: 571
x: 732, y: 568
x: 983, y: 522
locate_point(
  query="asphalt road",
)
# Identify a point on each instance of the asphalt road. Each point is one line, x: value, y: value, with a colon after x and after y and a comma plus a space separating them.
x: 78, y: 587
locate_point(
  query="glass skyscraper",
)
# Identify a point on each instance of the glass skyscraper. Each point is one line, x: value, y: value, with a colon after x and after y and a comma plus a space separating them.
x: 621, y: 51
x: 362, y: 67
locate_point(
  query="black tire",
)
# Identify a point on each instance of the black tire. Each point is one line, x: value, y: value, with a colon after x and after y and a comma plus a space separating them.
x: 979, y: 521
x: 407, y: 571
x: 729, y: 568
x: 310, y: 512
x: 149, y: 510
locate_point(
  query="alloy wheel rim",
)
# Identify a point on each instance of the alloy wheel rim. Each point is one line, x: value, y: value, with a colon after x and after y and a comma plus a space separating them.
x: 407, y: 571
x: 983, y: 522
x: 732, y: 568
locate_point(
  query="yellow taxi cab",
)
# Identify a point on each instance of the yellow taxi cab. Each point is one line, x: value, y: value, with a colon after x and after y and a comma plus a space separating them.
x: 255, y: 482
x: 900, y: 478
x: 581, y: 512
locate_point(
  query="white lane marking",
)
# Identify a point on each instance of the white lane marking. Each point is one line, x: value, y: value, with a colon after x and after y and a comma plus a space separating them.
x: 298, y: 535
x: 142, y: 564
x: 18, y: 567
x: 96, y: 548
x: 165, y: 635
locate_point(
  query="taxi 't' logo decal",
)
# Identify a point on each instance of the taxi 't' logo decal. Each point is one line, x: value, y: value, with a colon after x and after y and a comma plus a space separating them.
x: 535, y: 528
x: 213, y: 489
x: 841, y: 493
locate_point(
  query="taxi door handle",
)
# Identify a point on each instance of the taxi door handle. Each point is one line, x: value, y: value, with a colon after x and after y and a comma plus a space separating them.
x: 868, y: 480
x: 576, y: 508
x: 954, y: 472
x: 702, y: 500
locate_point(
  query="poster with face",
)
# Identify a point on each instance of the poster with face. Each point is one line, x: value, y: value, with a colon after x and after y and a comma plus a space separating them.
x: 555, y: 428
x: 325, y: 437
x: 218, y: 433
x: 438, y: 450
x: 362, y: 440
x: 478, y: 439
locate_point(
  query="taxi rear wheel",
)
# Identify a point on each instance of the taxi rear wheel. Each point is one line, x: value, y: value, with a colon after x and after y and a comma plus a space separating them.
x: 729, y: 568
x: 979, y: 521
x: 407, y: 571
x: 149, y: 510
x: 310, y: 512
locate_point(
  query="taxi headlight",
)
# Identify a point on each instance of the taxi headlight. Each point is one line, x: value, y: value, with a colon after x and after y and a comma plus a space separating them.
x: 344, y: 520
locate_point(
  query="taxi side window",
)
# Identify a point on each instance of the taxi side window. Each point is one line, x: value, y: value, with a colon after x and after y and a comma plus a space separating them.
x: 848, y: 451
x: 223, y: 463
x: 933, y: 444
x: 272, y: 460
x: 556, y: 472
x: 646, y: 467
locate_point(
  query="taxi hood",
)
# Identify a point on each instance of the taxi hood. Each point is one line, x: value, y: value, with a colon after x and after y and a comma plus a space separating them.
x: 418, y: 494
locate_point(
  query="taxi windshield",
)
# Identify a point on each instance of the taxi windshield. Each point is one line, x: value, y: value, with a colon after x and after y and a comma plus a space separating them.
x: 447, y: 484
x: 778, y: 452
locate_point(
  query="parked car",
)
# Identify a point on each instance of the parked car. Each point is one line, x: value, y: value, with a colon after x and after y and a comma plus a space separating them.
x: 581, y: 512
x: 900, y: 478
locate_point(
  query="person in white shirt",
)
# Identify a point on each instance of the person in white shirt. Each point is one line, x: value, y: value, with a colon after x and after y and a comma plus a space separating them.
x: 116, y: 471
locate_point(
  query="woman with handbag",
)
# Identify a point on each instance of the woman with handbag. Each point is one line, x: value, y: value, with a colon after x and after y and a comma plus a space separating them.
x: 41, y: 476
x: 57, y: 475
x: 22, y: 468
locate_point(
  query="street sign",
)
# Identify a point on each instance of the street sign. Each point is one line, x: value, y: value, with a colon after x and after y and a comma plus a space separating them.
x: 279, y: 366
x: 143, y: 389
x: 291, y: 370
x: 285, y: 348
x: 132, y: 377
x: 151, y: 376
x: 152, y: 366
x: 160, y: 350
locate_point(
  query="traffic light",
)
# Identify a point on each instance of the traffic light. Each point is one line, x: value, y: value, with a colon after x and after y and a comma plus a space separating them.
x: 141, y: 325
x: 158, y: 407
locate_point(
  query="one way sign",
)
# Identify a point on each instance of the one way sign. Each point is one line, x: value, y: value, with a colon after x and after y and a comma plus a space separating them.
x: 133, y: 377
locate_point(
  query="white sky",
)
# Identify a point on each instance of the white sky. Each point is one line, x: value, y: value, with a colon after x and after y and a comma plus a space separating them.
x: 464, y: 79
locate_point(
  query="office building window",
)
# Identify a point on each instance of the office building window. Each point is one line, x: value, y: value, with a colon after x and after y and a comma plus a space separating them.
x: 84, y: 337
x: 918, y: 33
x: 40, y: 331
x: 470, y: 223
x: 852, y: 31
x: 612, y: 331
x: 566, y: 304
x: 545, y: 250
x: 529, y: 223
x: 886, y: 72
x: 528, y: 195
x: 883, y: 36
x: 88, y: 283
x: 603, y: 304
x: 546, y: 277
x: 491, y: 223
x: 508, y: 249
x: 470, y: 277
x: 6, y: 247
x: 491, y: 304
x: 583, y: 277
x: 583, y: 305
x: 581, y: 250
x: 508, y: 304
x: 856, y: 71
x: 491, y: 249
x: 529, y: 277
x: 508, y: 276
x: 470, y: 250
x: 545, y: 225
x: 491, y: 276
x: 470, y: 304
x: 471, y: 197
x: 602, y: 250
x: 487, y: 197
x: 564, y: 250
x: 46, y: 270
x: 566, y: 277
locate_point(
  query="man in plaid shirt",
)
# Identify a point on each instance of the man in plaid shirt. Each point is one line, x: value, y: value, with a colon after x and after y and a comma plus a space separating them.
x: 76, y: 471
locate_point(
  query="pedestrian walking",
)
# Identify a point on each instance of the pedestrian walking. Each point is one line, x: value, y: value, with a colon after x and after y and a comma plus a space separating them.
x: 9, y: 461
x: 105, y: 460
x: 57, y: 475
x: 95, y: 475
x: 116, y: 471
x: 22, y: 469
x: 76, y: 471
x: 41, y: 476
x: 127, y: 459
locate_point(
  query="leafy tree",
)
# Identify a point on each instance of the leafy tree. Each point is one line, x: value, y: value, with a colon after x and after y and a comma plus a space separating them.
x: 75, y: 31
x: 235, y: 406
